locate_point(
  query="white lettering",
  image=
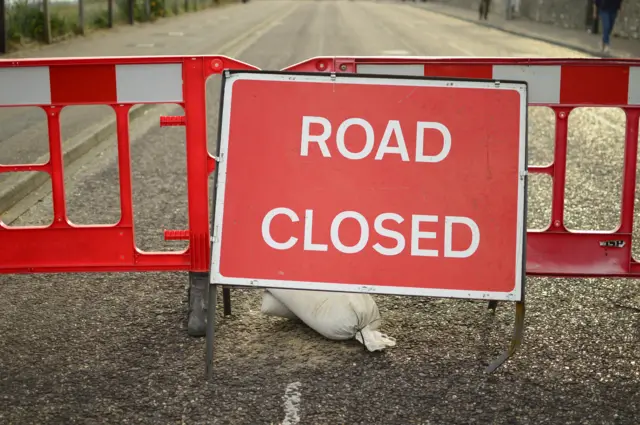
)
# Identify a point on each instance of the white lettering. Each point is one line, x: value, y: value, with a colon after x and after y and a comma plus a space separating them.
x: 364, y: 232
x: 368, y: 146
x: 389, y: 233
x: 416, y: 235
x: 448, y: 237
x: 400, y: 236
x: 320, y: 139
x: 446, y: 145
x: 266, y: 223
x: 393, y: 127
x: 308, y: 234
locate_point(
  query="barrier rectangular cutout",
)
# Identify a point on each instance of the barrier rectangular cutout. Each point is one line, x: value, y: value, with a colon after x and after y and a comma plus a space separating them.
x: 380, y: 184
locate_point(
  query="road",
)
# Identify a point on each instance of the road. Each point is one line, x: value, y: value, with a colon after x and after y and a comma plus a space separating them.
x: 113, y: 348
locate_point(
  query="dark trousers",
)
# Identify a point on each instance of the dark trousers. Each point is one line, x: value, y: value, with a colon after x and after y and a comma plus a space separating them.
x: 608, y: 18
x: 484, y: 9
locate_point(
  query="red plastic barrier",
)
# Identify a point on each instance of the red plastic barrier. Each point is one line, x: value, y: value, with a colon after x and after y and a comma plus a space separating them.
x: 120, y: 83
x: 559, y: 84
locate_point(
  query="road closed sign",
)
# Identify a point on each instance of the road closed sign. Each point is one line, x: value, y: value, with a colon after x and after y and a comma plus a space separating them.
x: 380, y: 184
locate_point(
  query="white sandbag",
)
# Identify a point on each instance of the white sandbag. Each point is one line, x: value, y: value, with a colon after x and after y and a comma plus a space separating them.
x: 272, y: 307
x: 337, y: 316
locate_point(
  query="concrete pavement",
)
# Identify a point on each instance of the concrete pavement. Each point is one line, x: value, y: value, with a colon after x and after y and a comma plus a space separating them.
x: 570, y: 38
x: 113, y: 348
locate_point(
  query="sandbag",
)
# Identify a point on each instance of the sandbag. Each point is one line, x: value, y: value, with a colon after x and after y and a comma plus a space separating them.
x: 336, y: 316
x: 272, y: 307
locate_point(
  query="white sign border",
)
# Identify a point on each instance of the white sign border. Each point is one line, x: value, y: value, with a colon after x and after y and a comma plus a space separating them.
x: 221, y: 171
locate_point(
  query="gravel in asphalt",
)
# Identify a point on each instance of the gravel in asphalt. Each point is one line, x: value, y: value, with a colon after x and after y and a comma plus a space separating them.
x: 113, y: 348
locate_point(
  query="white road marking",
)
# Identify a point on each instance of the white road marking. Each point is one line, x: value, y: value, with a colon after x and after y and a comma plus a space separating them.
x: 239, y: 45
x: 322, y: 13
x: 291, y: 404
x: 526, y: 55
x: 395, y: 52
x: 461, y: 49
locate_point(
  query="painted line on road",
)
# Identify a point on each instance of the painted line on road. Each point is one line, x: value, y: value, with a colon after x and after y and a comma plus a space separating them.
x: 291, y: 399
x: 396, y: 52
x: 393, y: 33
x: 461, y: 49
x: 237, y: 46
x: 322, y: 14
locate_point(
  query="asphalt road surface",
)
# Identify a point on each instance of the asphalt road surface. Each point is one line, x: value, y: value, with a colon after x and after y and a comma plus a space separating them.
x: 113, y: 348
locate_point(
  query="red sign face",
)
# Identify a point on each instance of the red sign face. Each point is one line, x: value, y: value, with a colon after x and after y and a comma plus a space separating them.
x: 386, y: 185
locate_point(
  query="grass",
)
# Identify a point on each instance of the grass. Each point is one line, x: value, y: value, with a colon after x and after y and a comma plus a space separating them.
x: 26, y: 19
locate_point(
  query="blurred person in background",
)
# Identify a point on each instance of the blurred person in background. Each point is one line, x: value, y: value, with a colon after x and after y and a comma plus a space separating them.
x: 608, y: 11
x: 484, y: 9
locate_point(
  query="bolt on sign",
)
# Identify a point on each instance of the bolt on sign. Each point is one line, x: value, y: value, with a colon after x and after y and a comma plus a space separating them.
x: 370, y: 183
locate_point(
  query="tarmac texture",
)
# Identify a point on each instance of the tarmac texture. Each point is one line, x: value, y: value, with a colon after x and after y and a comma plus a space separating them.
x: 113, y: 348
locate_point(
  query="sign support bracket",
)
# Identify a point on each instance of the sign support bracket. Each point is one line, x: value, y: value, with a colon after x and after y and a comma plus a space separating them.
x: 493, y: 304
x: 226, y: 300
x: 516, y: 340
x: 211, y: 328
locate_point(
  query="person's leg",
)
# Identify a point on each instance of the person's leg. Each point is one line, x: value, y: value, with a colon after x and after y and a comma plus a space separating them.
x: 605, y: 17
x: 612, y: 21
x: 485, y: 9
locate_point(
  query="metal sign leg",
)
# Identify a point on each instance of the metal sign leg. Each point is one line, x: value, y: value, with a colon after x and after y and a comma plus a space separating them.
x: 493, y: 304
x: 226, y: 301
x: 516, y: 340
x: 211, y: 327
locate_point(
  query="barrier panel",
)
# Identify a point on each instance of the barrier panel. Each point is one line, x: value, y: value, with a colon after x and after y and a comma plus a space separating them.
x: 122, y: 83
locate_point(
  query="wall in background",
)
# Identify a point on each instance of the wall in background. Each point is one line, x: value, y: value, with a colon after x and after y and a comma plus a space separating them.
x: 575, y: 14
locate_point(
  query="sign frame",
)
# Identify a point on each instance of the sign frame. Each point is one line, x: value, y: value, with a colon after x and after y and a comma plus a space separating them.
x: 230, y: 77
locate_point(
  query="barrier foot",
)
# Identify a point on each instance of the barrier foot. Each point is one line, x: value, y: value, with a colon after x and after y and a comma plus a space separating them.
x: 211, y: 327
x: 493, y: 304
x: 226, y: 301
x: 518, y: 333
x: 196, y: 321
